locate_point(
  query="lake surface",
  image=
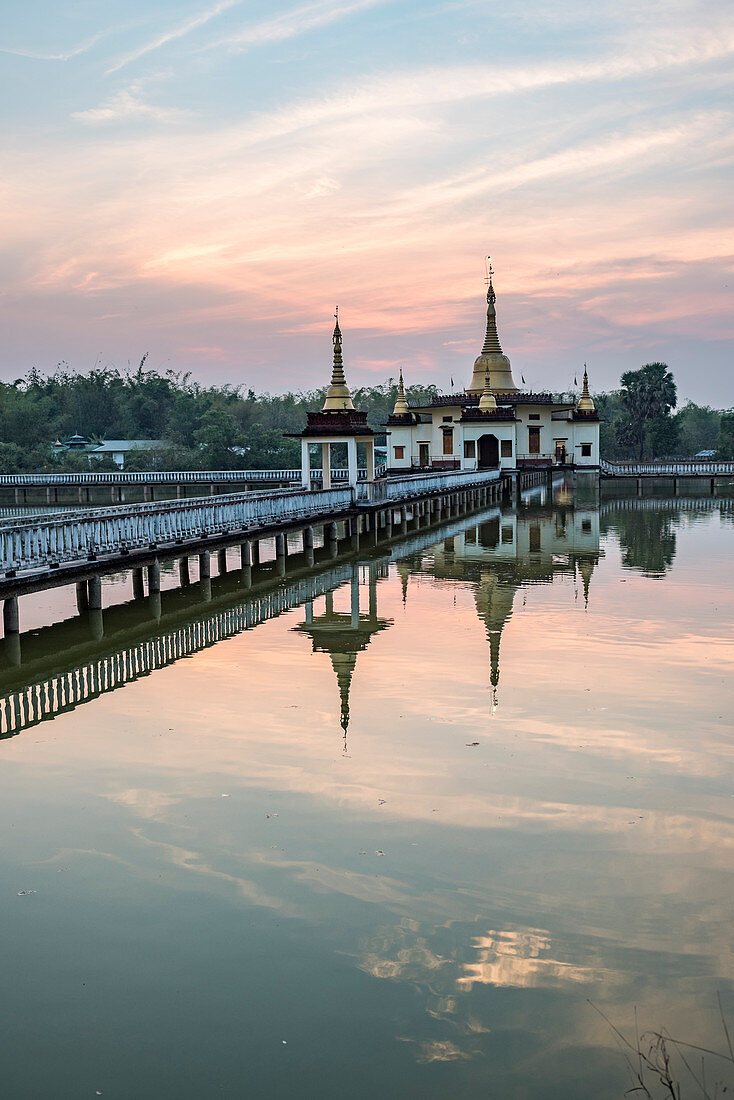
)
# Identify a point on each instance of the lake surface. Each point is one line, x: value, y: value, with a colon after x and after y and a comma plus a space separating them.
x: 389, y: 828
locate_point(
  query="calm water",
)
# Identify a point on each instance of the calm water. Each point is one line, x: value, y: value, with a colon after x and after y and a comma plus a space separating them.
x: 389, y: 840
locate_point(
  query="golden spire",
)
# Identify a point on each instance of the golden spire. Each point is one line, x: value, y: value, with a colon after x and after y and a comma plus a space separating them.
x: 401, y: 405
x: 487, y: 401
x: 338, y: 397
x: 491, y: 339
x: 585, y: 403
x: 491, y: 356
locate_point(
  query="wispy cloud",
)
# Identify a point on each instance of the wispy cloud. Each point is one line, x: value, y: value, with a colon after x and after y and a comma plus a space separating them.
x: 296, y: 21
x: 182, y: 29
x: 36, y: 55
x: 129, y: 103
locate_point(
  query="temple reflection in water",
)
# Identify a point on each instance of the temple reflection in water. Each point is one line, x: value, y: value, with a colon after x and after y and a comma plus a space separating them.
x: 68, y: 663
x: 343, y: 635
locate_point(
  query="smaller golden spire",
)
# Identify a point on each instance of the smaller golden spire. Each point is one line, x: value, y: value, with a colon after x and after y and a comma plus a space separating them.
x: 401, y: 405
x: 487, y: 401
x: 338, y: 396
x: 585, y: 403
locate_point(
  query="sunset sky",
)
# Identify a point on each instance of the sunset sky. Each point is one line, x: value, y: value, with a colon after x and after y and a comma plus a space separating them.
x: 204, y: 181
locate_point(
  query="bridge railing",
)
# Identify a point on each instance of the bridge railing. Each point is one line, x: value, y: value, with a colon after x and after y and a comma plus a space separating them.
x: 687, y: 468
x: 166, y: 477
x: 84, y: 533
x: 81, y: 534
x: 401, y: 488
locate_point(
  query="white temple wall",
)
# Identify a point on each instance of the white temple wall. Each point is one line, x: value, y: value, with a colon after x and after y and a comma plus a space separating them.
x: 585, y: 439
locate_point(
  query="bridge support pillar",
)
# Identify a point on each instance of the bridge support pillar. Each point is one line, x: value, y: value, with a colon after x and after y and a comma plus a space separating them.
x: 154, y: 606
x: 307, y: 536
x: 403, y: 520
x: 204, y: 565
x: 676, y: 486
x: 354, y: 532
x: 281, y: 546
x: 48, y: 494
x: 184, y: 577
x: 330, y: 538
x: 82, y: 597
x: 713, y: 486
x: 147, y: 492
x: 138, y: 586
x: 178, y: 492
x: 245, y: 554
x: 154, y: 577
x: 11, y: 621
x: 94, y: 593
x: 80, y: 495
x: 96, y: 623
x: 639, y: 486
x: 255, y: 544
x: 222, y: 562
x: 16, y: 495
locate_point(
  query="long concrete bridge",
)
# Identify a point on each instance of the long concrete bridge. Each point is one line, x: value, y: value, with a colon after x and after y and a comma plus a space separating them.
x: 179, y: 483
x: 703, y: 471
x: 79, y: 546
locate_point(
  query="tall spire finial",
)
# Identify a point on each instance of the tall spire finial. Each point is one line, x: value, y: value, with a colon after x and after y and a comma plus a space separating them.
x: 401, y: 405
x: 491, y: 337
x: 585, y: 402
x: 338, y: 397
x: 491, y: 297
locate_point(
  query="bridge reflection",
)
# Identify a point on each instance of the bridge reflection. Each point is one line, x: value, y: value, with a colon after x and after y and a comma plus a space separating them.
x: 53, y: 670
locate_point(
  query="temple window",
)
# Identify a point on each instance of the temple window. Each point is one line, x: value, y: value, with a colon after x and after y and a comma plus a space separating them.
x: 506, y: 448
x: 534, y: 416
x: 534, y: 441
x: 586, y: 450
x: 448, y: 441
x: 470, y: 448
x: 399, y: 452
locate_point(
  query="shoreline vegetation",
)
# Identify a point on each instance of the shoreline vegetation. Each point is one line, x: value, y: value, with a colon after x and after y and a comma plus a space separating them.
x: 233, y: 427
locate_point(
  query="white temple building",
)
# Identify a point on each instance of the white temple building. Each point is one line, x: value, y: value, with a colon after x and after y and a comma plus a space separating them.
x: 493, y: 423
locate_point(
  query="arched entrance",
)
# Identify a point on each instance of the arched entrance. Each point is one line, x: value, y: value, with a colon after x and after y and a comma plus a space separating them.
x: 489, y: 452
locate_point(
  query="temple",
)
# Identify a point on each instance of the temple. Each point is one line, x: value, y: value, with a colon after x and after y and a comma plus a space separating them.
x: 338, y: 422
x: 493, y: 423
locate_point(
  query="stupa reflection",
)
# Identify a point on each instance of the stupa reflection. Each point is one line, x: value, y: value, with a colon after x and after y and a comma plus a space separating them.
x: 343, y: 635
x: 495, y: 556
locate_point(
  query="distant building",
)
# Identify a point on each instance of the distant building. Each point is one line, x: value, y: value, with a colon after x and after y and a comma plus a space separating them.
x: 73, y: 443
x: 493, y: 423
x: 116, y: 449
x: 119, y: 449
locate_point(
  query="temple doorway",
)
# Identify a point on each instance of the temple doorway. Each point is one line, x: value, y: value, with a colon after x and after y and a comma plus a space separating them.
x: 489, y: 452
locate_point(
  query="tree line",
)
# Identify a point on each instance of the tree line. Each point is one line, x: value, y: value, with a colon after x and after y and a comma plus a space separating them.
x: 233, y: 427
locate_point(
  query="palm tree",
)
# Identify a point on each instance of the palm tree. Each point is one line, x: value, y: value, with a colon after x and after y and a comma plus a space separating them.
x: 647, y: 394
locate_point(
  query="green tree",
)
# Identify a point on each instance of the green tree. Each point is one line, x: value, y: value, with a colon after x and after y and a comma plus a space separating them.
x: 725, y: 448
x: 699, y: 428
x: 648, y: 394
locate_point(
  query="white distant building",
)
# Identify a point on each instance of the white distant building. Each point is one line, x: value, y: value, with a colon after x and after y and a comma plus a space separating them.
x: 493, y: 423
x: 119, y: 449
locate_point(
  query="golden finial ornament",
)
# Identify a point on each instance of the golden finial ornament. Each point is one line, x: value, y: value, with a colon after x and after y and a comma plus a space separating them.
x: 585, y: 403
x: 401, y: 405
x: 487, y: 401
x: 338, y: 398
